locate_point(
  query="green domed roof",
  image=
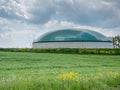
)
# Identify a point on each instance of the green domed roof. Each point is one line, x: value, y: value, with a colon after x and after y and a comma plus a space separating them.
x: 73, y: 35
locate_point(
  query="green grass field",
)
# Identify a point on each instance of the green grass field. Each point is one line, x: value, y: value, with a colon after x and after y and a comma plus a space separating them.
x: 44, y: 71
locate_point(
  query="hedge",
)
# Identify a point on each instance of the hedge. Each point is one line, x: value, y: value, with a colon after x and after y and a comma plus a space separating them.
x: 101, y: 51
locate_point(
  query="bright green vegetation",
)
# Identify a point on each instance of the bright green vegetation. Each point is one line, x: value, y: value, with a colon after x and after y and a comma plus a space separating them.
x: 44, y: 71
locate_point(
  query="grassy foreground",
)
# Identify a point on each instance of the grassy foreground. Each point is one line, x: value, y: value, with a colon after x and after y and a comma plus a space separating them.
x: 38, y: 71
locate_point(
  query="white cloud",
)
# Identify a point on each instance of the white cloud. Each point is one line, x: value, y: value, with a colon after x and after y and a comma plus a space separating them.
x: 17, y: 39
x: 22, y: 21
x: 11, y: 37
x: 10, y: 9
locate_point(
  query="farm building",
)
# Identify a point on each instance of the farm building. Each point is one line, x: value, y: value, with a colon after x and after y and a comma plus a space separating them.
x: 73, y: 38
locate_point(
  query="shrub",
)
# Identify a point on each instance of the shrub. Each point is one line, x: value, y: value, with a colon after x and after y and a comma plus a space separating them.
x: 66, y: 50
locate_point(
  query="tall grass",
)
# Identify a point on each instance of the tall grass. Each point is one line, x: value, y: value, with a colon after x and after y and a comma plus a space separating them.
x: 45, y: 71
x: 64, y: 81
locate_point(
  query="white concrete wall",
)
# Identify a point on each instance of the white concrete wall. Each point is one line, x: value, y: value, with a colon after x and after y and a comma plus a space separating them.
x: 73, y: 45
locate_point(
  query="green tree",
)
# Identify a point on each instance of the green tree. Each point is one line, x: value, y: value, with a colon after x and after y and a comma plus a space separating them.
x: 116, y: 41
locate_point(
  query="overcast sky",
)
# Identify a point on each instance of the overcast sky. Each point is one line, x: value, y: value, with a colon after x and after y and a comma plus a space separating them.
x: 22, y: 21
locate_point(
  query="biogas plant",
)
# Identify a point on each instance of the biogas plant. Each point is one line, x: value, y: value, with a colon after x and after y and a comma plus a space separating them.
x: 73, y: 38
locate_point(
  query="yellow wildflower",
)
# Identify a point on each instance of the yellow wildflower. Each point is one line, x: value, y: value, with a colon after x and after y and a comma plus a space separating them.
x: 68, y: 76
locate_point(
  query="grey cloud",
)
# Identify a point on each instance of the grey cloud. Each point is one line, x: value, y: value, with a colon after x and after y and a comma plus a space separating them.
x: 91, y: 12
x: 102, y: 13
x: 11, y: 10
x: 41, y: 11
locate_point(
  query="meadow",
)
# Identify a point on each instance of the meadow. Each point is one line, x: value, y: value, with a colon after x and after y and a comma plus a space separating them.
x: 50, y: 71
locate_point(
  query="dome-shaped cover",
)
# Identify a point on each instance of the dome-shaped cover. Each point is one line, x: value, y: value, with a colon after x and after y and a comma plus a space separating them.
x: 73, y: 35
